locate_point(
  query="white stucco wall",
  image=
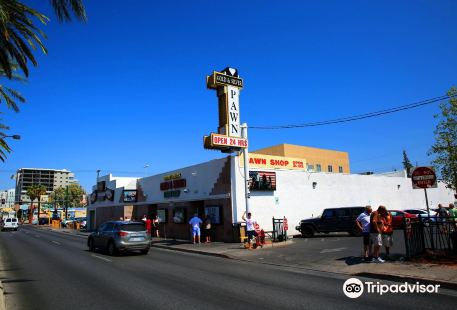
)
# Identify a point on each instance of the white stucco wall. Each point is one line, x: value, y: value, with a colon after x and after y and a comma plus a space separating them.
x: 296, y: 199
x: 200, y: 180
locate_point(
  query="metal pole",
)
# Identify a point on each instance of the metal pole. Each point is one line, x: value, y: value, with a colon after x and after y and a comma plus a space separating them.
x: 426, y: 201
x: 244, y: 134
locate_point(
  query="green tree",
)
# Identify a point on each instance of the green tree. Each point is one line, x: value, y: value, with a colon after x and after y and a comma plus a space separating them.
x: 35, y: 191
x: 445, y: 147
x: 406, y: 163
x: 68, y: 197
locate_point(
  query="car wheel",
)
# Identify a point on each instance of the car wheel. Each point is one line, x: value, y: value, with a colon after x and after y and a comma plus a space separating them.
x: 91, y: 245
x: 111, y: 248
x: 307, y: 232
x: 144, y: 252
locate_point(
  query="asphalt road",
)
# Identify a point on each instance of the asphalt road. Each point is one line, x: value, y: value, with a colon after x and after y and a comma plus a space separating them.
x: 49, y: 270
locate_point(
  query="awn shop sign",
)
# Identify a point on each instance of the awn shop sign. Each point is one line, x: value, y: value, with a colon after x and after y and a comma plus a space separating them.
x: 424, y: 177
x: 274, y: 162
x: 228, y: 85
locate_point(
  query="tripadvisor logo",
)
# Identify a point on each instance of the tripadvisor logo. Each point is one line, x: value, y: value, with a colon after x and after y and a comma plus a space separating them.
x: 354, y: 288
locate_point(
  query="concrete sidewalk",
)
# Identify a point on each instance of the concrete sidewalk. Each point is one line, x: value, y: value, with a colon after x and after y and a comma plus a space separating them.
x: 288, y: 255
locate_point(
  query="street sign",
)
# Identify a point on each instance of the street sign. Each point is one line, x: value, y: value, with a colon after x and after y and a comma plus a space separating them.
x: 424, y: 177
x: 285, y: 225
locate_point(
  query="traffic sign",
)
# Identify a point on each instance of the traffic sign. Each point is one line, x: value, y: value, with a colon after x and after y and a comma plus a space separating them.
x: 424, y: 177
x: 285, y: 225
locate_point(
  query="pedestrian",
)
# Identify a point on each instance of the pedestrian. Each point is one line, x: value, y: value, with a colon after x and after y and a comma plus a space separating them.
x: 376, y: 224
x: 250, y: 227
x: 363, y: 223
x: 148, y: 224
x: 195, y: 223
x: 442, y: 216
x: 207, y: 229
x: 144, y: 218
x: 156, y: 226
x: 387, y: 232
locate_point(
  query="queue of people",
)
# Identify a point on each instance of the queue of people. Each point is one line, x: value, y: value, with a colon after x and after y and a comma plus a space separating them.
x: 377, y: 231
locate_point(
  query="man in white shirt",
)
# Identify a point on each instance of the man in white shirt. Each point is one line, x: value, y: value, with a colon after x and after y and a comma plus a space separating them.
x: 250, y: 226
x: 195, y: 223
x: 363, y: 223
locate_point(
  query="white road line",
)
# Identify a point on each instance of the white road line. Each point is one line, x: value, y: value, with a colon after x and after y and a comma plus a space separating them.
x: 332, y: 250
x: 102, y: 258
x: 58, y: 243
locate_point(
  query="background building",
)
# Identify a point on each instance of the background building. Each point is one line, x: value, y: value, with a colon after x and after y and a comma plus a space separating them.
x: 50, y: 178
x: 317, y: 160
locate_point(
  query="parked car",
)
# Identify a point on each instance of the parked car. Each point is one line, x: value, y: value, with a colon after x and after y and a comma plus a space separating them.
x: 423, y: 215
x: 332, y: 220
x: 117, y: 236
x: 398, y: 218
x: 82, y: 222
x: 65, y: 222
x: 10, y: 223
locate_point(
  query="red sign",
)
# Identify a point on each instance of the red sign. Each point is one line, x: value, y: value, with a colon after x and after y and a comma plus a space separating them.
x: 285, y: 225
x: 423, y: 177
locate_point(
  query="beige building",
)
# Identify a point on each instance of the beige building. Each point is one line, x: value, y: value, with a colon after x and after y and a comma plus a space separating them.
x: 318, y: 160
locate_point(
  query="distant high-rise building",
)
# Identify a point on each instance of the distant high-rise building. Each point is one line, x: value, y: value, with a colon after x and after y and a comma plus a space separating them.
x: 50, y: 178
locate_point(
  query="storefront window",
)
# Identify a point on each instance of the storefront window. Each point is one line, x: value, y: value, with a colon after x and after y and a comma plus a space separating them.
x: 179, y: 215
x: 162, y: 214
x: 214, y: 212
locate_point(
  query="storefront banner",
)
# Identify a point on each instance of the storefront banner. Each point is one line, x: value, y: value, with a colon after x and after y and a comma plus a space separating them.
x: 274, y: 162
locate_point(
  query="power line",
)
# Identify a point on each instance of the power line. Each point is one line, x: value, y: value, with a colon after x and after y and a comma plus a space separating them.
x: 358, y: 117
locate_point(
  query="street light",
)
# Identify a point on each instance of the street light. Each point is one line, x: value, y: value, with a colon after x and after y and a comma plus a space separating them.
x: 15, y: 137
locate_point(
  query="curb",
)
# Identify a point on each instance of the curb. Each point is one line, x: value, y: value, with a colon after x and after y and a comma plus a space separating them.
x: 166, y: 247
x: 2, y: 297
x: 394, y: 278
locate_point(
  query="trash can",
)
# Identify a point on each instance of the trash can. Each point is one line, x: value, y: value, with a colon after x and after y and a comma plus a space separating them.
x: 239, y: 232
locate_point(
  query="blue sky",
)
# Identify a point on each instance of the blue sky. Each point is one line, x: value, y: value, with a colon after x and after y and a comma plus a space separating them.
x: 127, y: 88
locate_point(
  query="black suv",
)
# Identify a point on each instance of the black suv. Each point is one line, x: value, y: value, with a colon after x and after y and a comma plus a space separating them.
x: 332, y: 220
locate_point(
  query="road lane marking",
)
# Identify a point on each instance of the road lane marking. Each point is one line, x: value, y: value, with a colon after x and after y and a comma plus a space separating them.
x: 37, y: 236
x: 58, y: 243
x: 332, y: 250
x: 102, y: 258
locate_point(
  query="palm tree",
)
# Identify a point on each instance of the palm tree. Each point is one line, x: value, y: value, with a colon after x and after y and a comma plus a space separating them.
x: 19, y: 35
x: 35, y: 192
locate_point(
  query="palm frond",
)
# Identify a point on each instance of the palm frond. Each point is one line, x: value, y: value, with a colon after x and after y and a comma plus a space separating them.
x: 64, y: 8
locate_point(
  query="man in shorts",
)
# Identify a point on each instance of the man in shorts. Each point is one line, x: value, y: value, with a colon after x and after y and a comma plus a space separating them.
x: 250, y: 226
x: 363, y: 223
x: 195, y: 223
x: 376, y: 226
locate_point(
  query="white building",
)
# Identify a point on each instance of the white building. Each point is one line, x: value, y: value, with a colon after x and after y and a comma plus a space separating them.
x: 217, y: 188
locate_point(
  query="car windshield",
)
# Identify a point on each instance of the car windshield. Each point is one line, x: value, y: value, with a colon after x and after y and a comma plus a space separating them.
x: 132, y: 227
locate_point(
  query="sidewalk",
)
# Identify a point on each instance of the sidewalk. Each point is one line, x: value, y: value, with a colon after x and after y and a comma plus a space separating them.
x: 288, y: 255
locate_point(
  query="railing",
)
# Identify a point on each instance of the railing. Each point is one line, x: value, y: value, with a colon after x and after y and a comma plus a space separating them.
x: 279, y: 231
x: 438, y: 234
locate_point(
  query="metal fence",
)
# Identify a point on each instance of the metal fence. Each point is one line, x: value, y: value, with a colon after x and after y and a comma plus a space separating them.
x: 438, y: 234
x: 279, y: 230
